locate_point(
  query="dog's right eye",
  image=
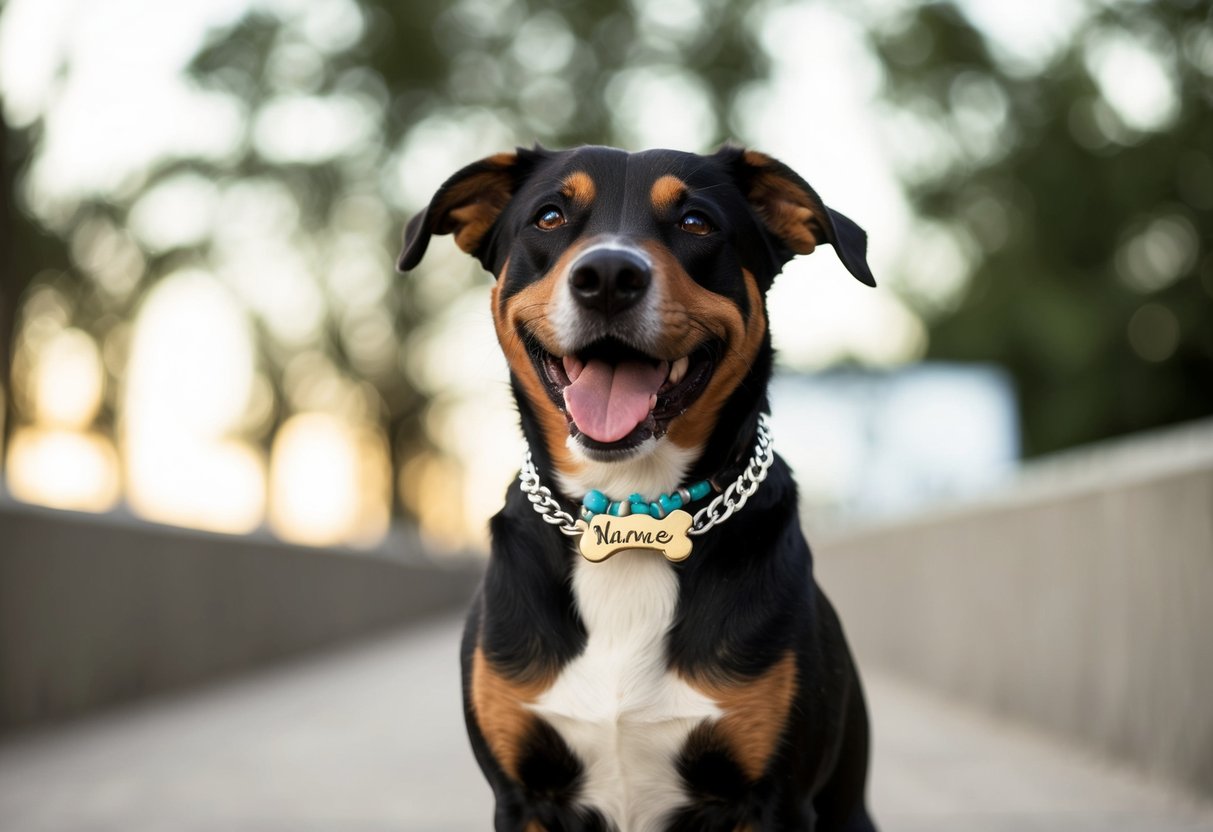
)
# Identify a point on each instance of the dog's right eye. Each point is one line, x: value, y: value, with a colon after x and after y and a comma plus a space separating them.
x: 696, y: 223
x: 549, y: 218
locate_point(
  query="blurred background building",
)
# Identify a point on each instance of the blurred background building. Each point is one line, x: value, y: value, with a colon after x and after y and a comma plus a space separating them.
x: 201, y: 202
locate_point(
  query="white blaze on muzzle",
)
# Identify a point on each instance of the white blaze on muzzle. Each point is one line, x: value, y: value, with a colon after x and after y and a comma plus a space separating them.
x: 608, y: 400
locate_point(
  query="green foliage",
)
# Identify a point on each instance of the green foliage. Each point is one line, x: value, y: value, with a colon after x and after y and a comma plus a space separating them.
x: 551, y: 73
x: 547, y: 73
x: 1089, y: 237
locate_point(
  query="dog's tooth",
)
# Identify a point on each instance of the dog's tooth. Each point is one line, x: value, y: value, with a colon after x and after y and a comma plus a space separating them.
x: 652, y: 401
x: 572, y: 367
x: 679, y: 369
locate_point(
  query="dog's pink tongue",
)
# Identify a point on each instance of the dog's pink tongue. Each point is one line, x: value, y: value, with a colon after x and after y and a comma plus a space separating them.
x: 608, y: 401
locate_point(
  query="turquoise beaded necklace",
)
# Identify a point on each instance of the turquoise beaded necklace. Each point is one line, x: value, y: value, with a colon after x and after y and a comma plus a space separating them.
x: 596, y: 502
x: 660, y: 524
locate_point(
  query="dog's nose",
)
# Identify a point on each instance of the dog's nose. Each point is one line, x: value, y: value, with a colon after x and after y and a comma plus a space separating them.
x: 609, y: 280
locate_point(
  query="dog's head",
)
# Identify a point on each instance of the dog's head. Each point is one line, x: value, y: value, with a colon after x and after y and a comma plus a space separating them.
x: 630, y: 294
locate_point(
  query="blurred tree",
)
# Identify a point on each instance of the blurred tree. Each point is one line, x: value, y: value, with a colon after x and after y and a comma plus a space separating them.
x: 1079, y: 194
x: 340, y: 104
x: 542, y: 74
x: 26, y: 250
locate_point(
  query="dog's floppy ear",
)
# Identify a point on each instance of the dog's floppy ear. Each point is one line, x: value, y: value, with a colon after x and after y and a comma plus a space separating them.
x: 795, y: 215
x: 467, y: 205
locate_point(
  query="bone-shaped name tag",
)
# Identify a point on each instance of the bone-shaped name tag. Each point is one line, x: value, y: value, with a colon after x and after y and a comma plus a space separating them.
x: 606, y: 535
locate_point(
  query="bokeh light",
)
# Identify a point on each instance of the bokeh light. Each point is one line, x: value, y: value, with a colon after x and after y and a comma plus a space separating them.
x: 226, y: 181
x: 188, y: 384
x: 329, y: 482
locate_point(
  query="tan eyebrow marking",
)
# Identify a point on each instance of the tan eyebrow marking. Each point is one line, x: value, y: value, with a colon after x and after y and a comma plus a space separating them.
x: 666, y: 192
x: 579, y: 187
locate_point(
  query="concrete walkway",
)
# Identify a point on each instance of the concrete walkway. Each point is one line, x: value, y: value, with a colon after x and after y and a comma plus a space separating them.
x: 372, y: 739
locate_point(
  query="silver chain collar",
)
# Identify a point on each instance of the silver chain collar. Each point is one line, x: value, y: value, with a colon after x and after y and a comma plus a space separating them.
x: 725, y: 504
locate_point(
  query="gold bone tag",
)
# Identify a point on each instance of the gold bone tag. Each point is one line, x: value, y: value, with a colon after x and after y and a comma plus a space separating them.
x: 606, y: 535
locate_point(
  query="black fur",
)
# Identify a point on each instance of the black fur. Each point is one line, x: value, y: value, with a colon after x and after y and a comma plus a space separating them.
x: 746, y: 596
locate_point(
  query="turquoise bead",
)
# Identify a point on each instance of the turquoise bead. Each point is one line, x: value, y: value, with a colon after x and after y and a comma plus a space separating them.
x: 596, y: 502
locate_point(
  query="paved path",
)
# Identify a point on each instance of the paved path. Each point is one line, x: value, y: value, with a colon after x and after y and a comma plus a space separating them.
x: 371, y: 739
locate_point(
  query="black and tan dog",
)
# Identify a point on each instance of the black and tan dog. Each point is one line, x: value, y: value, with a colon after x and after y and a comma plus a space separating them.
x: 637, y: 693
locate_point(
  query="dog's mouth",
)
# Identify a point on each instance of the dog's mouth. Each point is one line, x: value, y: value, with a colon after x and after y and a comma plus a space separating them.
x: 615, y: 397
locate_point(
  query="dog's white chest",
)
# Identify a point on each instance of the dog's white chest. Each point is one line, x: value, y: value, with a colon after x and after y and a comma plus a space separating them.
x: 616, y: 705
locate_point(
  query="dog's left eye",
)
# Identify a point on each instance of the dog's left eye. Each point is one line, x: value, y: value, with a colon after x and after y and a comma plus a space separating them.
x: 549, y: 218
x: 696, y: 223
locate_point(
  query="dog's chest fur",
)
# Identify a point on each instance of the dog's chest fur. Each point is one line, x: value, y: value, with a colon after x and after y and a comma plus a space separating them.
x: 617, y: 705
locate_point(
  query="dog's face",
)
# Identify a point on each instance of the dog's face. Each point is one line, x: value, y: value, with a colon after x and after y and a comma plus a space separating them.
x: 630, y: 294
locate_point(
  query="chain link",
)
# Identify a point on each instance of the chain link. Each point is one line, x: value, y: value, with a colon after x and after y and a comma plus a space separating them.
x: 734, y: 497
x: 724, y: 506
x: 542, y: 500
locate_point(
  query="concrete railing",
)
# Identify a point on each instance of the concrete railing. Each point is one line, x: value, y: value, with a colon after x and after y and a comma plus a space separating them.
x: 1080, y: 599
x: 99, y: 609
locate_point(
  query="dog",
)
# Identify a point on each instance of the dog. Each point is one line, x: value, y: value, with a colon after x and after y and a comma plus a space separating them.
x: 611, y: 682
